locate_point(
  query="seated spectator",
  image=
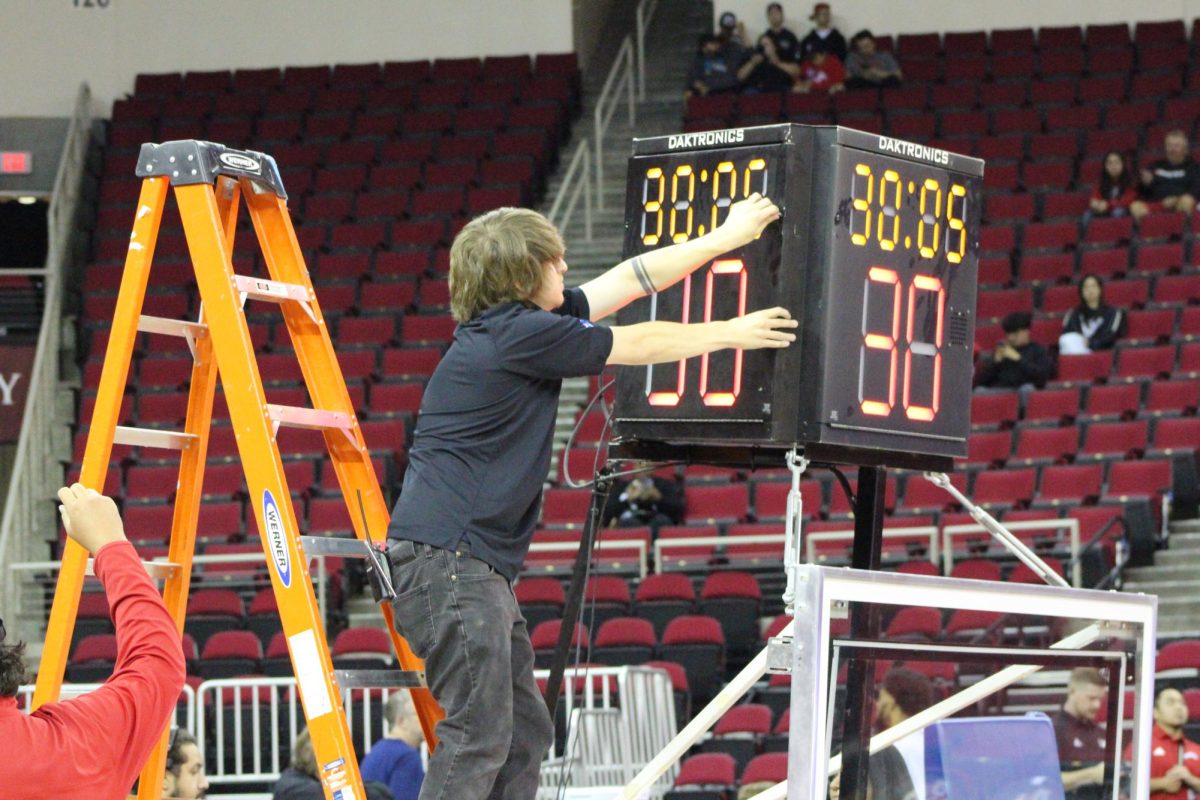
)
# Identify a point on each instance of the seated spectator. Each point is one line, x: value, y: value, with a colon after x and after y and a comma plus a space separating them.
x: 301, y: 781
x: 646, y: 500
x: 1174, y: 759
x: 905, y: 693
x: 821, y: 72
x: 395, y: 759
x: 766, y: 70
x: 1080, y: 737
x: 1093, y: 324
x: 715, y: 68
x: 823, y: 38
x: 1171, y: 183
x: 1114, y: 192
x: 868, y: 68
x: 1017, y: 362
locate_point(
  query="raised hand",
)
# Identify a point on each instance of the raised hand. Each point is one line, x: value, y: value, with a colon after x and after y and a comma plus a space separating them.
x: 747, y: 219
x: 89, y: 517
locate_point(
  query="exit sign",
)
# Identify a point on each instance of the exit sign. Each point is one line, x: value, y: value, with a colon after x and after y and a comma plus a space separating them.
x: 16, y: 162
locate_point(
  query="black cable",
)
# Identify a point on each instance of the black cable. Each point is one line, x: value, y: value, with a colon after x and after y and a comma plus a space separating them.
x: 846, y: 488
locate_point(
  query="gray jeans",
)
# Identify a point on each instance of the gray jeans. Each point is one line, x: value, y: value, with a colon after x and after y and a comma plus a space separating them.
x: 460, y: 616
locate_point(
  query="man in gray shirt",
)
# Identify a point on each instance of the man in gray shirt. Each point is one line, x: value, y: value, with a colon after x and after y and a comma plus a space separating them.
x: 867, y: 67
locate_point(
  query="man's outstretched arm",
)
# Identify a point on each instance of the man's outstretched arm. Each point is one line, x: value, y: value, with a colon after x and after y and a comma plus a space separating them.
x: 658, y: 342
x: 656, y: 270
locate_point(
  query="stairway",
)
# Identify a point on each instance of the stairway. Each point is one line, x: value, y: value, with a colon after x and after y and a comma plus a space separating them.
x: 1175, y: 578
x: 670, y: 43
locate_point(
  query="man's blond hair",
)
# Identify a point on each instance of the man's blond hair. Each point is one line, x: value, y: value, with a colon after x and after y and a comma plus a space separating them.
x: 498, y: 257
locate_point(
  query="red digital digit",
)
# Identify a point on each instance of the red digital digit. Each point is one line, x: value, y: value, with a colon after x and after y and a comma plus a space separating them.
x: 735, y: 267
x: 879, y: 341
x: 924, y: 283
x: 670, y: 398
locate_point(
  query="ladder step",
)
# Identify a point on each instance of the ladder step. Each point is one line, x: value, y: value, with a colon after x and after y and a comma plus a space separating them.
x: 156, y: 569
x: 344, y: 546
x: 271, y: 291
x: 171, y: 327
x: 311, y: 418
x: 151, y: 437
x: 379, y: 679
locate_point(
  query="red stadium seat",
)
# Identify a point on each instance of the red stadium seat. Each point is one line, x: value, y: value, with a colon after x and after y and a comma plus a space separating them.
x: 1052, y: 405
x: 1172, y: 398
x: 1123, y: 439
x: 1133, y: 479
x: 1046, y: 445
x: 716, y: 503
x: 1119, y: 401
x: 1070, y: 484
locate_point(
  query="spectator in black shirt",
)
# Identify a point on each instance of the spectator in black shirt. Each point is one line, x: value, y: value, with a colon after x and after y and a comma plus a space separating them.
x: 1171, y: 183
x: 787, y: 46
x: 823, y: 38
x: 1017, y: 362
x: 646, y: 500
x: 1094, y: 324
x: 1080, y: 736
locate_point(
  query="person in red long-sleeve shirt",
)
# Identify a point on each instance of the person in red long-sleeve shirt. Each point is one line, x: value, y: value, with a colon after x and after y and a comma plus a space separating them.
x: 93, y: 746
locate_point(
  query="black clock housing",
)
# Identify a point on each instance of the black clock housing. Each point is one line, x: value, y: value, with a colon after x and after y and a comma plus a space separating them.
x: 876, y: 254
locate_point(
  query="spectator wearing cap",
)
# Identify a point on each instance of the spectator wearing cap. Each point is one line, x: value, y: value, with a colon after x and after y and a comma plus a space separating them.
x: 1017, y: 362
x: 1173, y: 182
x: 823, y: 38
x: 867, y: 67
x: 733, y: 30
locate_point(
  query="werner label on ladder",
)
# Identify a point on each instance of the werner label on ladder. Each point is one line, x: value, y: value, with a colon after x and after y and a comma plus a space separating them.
x: 210, y: 181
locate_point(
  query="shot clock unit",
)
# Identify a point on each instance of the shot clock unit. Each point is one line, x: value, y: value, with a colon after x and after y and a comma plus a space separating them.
x: 875, y: 254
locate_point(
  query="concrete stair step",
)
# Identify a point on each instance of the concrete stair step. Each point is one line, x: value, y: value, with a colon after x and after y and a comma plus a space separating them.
x: 1178, y: 572
x: 1165, y: 588
x: 1177, y: 558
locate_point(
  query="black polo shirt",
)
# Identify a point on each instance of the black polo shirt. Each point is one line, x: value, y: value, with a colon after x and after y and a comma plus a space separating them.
x: 481, y: 449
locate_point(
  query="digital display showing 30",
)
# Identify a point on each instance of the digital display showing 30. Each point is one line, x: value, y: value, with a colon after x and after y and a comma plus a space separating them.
x: 875, y: 254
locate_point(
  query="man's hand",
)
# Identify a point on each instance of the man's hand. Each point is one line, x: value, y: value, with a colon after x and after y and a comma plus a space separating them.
x: 769, y: 327
x: 747, y: 219
x: 1147, y: 177
x: 91, y: 519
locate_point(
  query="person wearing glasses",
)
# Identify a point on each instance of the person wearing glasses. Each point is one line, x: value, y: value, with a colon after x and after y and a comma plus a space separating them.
x: 93, y: 746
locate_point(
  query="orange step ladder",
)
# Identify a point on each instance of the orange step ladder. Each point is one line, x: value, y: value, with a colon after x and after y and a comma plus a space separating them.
x: 210, y: 182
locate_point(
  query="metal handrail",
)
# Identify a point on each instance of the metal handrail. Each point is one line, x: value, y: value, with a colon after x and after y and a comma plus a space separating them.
x: 645, y: 13
x: 575, y: 183
x: 620, y: 78
x: 1071, y: 525
x: 36, y: 471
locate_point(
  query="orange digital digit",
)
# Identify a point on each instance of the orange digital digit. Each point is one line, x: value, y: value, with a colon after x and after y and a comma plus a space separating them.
x: 885, y: 243
x: 654, y: 206
x: 925, y: 283
x: 755, y: 165
x: 680, y: 204
x: 928, y: 217
x: 719, y: 201
x: 860, y: 203
x: 956, y: 224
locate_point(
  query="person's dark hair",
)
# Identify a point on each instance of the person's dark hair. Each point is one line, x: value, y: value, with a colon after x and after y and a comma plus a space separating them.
x: 911, y: 690
x: 12, y: 668
x: 865, y: 33
x: 1160, y: 689
x: 1016, y: 321
x: 1090, y: 276
x: 1123, y: 182
x: 176, y: 741
x: 775, y: 6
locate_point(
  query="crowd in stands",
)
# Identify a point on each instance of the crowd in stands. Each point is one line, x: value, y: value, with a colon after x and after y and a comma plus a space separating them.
x: 729, y: 61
